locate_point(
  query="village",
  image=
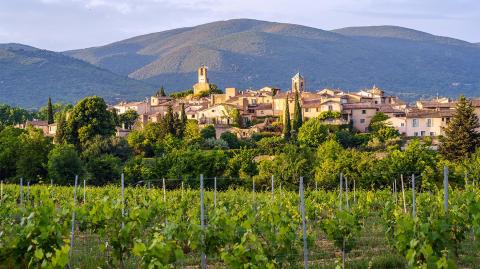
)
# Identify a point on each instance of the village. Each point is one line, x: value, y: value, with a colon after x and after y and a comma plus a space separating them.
x: 262, y: 110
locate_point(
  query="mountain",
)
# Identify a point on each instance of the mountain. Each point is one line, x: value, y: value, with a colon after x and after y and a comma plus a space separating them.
x: 246, y: 53
x: 28, y: 76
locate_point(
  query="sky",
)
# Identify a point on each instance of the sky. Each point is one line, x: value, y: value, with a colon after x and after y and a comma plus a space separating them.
x: 73, y: 24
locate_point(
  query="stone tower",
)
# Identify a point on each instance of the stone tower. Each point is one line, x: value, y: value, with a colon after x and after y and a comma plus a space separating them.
x: 202, y: 85
x: 298, y: 83
x: 202, y: 74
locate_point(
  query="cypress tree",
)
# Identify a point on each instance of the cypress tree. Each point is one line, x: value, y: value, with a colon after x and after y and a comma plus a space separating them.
x: 161, y: 92
x: 50, y: 119
x: 183, y: 115
x: 461, y: 137
x: 169, y: 121
x: 286, y: 121
x: 297, y: 115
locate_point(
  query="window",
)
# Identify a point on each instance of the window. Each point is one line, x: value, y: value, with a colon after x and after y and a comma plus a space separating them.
x: 364, y: 111
x: 422, y: 133
x: 415, y: 123
x: 307, y: 110
x: 429, y: 122
x: 402, y: 124
x: 193, y: 116
x: 415, y: 134
x: 432, y: 133
x: 317, y: 109
x: 362, y: 120
x: 213, y: 110
x: 330, y: 107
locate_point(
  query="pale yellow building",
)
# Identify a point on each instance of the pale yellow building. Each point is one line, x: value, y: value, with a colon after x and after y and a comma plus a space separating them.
x: 203, y: 84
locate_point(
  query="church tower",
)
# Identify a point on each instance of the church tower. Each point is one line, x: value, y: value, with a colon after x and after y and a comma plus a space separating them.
x: 298, y: 83
x: 202, y: 74
x: 202, y: 85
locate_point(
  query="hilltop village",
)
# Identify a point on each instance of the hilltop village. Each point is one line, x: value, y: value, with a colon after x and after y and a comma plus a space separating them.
x: 246, y: 112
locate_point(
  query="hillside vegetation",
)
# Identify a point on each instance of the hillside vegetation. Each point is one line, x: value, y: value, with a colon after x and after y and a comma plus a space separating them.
x: 250, y: 53
x: 28, y: 76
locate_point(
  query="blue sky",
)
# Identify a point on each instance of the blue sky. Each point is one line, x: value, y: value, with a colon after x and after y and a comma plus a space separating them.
x: 70, y: 24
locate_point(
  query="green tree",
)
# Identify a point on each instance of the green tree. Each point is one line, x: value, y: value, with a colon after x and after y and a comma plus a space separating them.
x: 182, y: 124
x: 377, y: 118
x: 461, y: 137
x: 287, y: 167
x: 128, y: 118
x: 63, y: 164
x: 297, y: 115
x: 33, y: 154
x: 236, y: 118
x: 104, y: 169
x: 9, y: 144
x: 192, y: 132
x: 161, y: 92
x: 313, y: 133
x: 88, y: 119
x: 50, y: 119
x: 242, y: 164
x: 286, y: 121
x: 169, y: 121
x: 231, y: 140
x: 208, y: 132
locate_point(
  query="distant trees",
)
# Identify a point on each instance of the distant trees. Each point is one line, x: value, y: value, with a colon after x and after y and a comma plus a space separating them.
x: 13, y: 115
x: 33, y: 149
x: 86, y: 120
x: 461, y: 137
x: 128, y: 118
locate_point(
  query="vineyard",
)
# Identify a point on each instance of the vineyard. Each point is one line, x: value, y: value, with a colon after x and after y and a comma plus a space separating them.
x: 192, y: 224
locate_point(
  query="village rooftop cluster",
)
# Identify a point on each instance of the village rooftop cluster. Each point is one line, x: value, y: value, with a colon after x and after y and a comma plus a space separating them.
x: 261, y: 109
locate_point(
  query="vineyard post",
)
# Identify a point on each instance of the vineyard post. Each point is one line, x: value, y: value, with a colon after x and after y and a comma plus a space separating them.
x: 354, y: 193
x: 123, y: 198
x: 395, y: 190
x: 51, y: 182
x: 403, y: 195
x: 341, y: 183
x: 346, y: 192
x: 164, y: 191
x: 21, y: 191
x: 202, y: 224
x: 28, y: 190
x: 414, y: 206
x: 72, y: 235
x: 253, y: 189
x: 182, y: 189
x: 273, y: 194
x: 445, y: 187
x: 304, y: 226
x: 215, y: 192
x: 316, y: 186
x: 84, y: 192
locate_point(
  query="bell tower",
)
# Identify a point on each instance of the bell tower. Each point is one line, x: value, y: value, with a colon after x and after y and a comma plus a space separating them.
x: 202, y: 74
x: 298, y: 83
